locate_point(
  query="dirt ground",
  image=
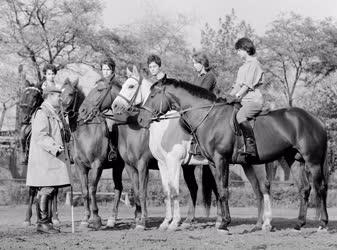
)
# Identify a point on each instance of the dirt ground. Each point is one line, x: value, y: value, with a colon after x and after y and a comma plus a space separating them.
x: 202, y: 235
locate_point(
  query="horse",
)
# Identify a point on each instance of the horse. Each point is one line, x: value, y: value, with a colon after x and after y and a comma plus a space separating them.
x: 169, y: 144
x: 90, y: 150
x: 30, y: 100
x: 290, y: 132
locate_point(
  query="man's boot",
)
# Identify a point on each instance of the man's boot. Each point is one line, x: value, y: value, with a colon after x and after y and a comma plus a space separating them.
x: 44, y: 225
x: 248, y: 134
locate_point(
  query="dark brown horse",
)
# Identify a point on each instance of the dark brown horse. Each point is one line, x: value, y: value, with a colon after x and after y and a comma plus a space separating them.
x: 30, y: 100
x: 292, y: 133
x: 90, y: 150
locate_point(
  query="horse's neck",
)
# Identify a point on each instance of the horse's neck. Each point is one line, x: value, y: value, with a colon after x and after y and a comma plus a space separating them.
x: 145, y: 90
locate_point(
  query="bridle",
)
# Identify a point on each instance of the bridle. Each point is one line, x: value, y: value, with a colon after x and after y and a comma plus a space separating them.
x: 133, y: 99
x: 160, y: 115
x: 33, y: 107
x: 72, y: 112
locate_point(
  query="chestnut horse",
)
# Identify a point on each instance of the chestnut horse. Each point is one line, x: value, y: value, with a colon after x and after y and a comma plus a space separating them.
x: 90, y: 150
x: 292, y: 133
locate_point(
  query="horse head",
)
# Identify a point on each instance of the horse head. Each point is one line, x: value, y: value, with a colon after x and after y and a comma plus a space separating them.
x: 134, y: 92
x: 30, y: 100
x: 71, y: 98
x: 158, y: 103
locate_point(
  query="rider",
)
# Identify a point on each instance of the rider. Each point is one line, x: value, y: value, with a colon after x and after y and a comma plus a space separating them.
x: 154, y: 64
x: 108, y: 66
x: 245, y: 89
x: 206, y: 79
x: 49, y: 72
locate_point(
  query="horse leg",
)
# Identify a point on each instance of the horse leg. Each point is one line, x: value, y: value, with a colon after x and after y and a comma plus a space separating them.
x: 221, y: 174
x: 32, y: 194
x: 321, y: 188
x: 117, y: 172
x: 174, y: 165
x: 250, y: 173
x: 189, y: 177
x: 164, y: 175
x: 264, y: 184
x: 94, y: 176
x: 133, y: 175
x: 143, y: 175
x: 55, y: 219
x: 83, y: 175
x: 303, y: 185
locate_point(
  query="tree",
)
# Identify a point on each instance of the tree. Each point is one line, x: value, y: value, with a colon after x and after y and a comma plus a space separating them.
x: 297, y: 49
x: 46, y: 31
x: 219, y: 44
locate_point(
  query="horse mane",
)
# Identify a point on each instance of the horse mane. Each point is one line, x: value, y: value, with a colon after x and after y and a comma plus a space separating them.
x: 191, y: 88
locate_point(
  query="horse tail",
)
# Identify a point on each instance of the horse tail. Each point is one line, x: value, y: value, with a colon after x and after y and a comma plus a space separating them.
x: 207, y: 187
x: 325, y: 178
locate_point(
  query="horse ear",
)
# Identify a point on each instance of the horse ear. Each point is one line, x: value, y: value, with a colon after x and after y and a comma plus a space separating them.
x: 128, y: 72
x: 75, y: 83
x: 135, y: 71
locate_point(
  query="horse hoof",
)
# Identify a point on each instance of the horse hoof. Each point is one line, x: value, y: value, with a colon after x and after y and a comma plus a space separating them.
x: 111, y: 222
x: 56, y: 222
x: 186, y: 225
x: 163, y: 227
x: 255, y: 229
x: 267, y: 228
x: 217, y: 224
x: 140, y: 227
x: 223, y: 231
x: 322, y: 229
x: 172, y: 227
x: 27, y: 223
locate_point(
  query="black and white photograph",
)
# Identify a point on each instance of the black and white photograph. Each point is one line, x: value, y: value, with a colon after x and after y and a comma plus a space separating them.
x: 168, y: 124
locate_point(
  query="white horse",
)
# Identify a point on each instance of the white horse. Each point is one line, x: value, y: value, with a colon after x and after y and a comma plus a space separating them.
x: 170, y: 144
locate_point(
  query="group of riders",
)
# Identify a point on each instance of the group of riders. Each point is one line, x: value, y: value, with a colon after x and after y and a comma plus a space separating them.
x: 49, y: 129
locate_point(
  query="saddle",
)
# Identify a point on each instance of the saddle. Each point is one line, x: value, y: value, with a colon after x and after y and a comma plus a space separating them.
x: 239, y: 141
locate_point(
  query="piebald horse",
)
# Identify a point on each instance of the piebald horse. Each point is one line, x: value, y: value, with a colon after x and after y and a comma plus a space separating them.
x: 170, y: 145
x: 292, y: 133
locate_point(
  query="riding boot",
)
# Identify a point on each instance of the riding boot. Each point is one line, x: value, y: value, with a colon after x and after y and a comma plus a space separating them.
x: 249, y: 138
x: 112, y: 148
x: 44, y: 225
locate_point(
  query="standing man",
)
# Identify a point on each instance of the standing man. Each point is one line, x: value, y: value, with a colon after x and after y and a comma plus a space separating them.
x: 48, y: 163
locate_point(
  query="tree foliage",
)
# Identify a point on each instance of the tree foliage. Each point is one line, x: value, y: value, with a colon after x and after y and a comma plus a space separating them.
x: 46, y: 31
x: 297, y: 49
x: 219, y: 45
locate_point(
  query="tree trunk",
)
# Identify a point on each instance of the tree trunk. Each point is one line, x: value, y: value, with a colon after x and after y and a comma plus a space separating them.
x: 2, y: 117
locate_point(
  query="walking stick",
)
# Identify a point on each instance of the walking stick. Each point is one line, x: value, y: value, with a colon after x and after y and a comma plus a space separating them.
x: 72, y: 210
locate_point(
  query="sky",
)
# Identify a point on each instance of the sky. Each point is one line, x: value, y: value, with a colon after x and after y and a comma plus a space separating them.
x: 258, y: 13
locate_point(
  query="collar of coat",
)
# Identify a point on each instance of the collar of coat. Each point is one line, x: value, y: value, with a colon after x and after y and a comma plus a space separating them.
x: 50, y: 110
